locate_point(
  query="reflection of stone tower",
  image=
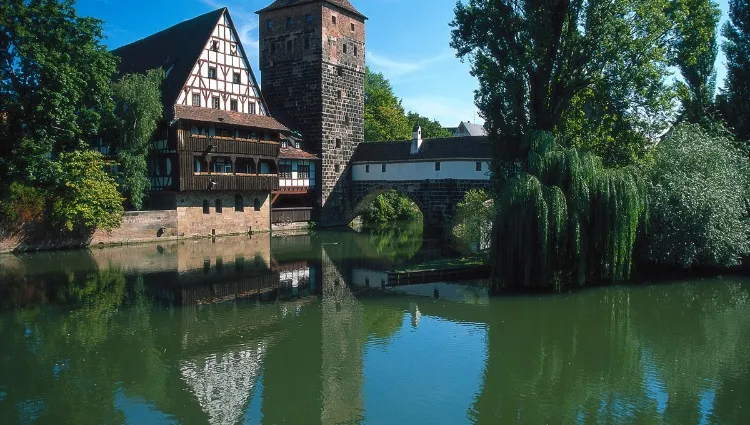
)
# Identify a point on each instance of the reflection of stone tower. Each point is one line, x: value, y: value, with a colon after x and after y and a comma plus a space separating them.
x: 312, y: 59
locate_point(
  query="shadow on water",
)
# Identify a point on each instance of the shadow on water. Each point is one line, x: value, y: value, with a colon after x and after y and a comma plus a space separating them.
x: 286, y: 330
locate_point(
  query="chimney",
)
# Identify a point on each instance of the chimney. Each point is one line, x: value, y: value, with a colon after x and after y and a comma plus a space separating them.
x: 416, y: 139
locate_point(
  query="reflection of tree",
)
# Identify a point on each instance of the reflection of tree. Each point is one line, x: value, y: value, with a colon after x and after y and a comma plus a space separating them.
x: 397, y: 242
x: 381, y: 322
x: 617, y: 355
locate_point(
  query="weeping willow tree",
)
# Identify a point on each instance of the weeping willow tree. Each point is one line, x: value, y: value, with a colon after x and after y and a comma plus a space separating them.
x: 566, y: 220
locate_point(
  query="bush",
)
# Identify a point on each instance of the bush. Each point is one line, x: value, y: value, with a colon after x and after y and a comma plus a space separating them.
x: 23, y: 204
x: 389, y: 207
x: 698, y: 198
x: 473, y: 220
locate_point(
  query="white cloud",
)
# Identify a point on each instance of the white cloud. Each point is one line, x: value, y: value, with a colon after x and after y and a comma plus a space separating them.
x: 394, y: 69
x: 449, y: 111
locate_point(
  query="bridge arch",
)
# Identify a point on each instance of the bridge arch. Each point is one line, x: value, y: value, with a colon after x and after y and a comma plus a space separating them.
x: 366, y: 196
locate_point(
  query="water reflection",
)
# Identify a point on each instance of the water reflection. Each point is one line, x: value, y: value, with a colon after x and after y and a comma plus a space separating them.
x: 285, y: 330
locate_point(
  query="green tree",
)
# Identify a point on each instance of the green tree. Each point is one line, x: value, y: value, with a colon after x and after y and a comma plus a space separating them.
x: 532, y: 59
x: 384, y: 116
x: 389, y: 207
x: 55, y: 85
x: 700, y: 187
x: 695, y: 48
x: 138, y: 109
x: 734, y: 105
x: 87, y: 195
x: 473, y: 218
x: 431, y: 129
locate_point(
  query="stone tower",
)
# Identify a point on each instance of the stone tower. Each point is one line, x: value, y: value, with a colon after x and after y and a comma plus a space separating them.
x: 312, y: 62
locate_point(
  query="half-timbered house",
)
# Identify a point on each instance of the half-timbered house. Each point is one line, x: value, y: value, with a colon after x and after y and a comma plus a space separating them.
x: 215, y: 155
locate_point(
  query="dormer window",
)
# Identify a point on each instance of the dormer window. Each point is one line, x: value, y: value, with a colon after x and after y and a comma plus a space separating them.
x: 212, y: 72
x: 215, y: 45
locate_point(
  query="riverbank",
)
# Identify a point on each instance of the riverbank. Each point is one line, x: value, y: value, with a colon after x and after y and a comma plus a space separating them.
x: 471, y: 266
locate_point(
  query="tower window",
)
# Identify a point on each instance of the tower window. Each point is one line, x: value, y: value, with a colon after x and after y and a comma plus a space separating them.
x: 352, y: 26
x: 307, y: 42
x: 233, y: 105
x: 355, y: 50
x: 333, y: 19
x: 338, y: 94
x: 337, y: 167
x: 256, y: 204
x: 212, y: 72
x: 437, y: 166
x: 344, y: 47
x: 216, y: 103
x: 340, y: 71
x: 479, y: 166
x: 338, y: 143
x: 308, y: 18
x: 269, y: 24
x: 289, y: 46
x: 196, y: 99
x: 236, y: 78
x: 346, y: 119
x: 288, y: 22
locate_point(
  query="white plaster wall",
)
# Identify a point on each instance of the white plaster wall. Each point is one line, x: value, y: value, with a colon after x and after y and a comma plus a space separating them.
x: 400, y: 171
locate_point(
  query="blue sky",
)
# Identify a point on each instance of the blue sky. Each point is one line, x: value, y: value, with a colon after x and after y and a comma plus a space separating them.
x: 407, y: 40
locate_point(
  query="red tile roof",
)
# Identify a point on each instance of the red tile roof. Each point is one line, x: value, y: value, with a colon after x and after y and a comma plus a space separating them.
x: 294, y: 153
x: 227, y: 117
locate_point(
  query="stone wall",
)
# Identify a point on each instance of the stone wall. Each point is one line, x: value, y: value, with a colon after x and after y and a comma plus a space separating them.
x: 193, y: 221
x: 437, y: 199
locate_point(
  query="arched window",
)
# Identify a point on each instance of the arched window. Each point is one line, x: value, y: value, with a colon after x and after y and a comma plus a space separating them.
x: 218, y: 206
x: 256, y: 204
x: 238, y: 204
x: 206, y: 208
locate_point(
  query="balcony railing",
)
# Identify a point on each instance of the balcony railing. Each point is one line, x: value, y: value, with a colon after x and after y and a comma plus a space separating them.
x: 248, y: 182
x: 233, y: 146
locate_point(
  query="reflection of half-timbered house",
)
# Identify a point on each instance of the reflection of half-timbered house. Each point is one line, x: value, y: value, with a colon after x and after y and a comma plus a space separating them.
x: 215, y: 157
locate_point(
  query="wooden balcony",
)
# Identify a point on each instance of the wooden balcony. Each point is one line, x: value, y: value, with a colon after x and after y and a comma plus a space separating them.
x: 230, y: 182
x: 226, y: 146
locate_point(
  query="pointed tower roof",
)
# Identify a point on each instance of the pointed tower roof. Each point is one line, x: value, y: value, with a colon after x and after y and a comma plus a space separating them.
x: 342, y: 4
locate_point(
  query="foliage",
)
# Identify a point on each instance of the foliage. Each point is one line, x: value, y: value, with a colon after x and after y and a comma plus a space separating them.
x: 384, y: 116
x: 699, y: 192
x: 736, y: 46
x: 533, y: 58
x: 23, y: 204
x: 431, y: 129
x: 473, y: 218
x: 55, y: 78
x: 695, y: 50
x: 389, y: 207
x: 138, y: 109
x: 568, y: 219
x: 87, y: 195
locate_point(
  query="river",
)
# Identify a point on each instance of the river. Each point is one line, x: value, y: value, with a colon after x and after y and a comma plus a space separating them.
x: 299, y: 330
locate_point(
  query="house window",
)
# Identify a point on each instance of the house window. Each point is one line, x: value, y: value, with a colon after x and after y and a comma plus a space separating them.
x: 308, y: 18
x: 289, y: 46
x: 285, y: 171
x: 437, y: 166
x: 344, y: 47
x: 346, y: 119
x: 333, y: 19
x: 269, y: 24
x: 252, y: 108
x: 288, y: 22
x: 236, y: 78
x: 256, y: 204
x: 383, y: 168
x: 352, y: 26
x: 273, y: 48
x: 215, y: 45
x: 206, y: 208
x: 303, y: 172
x: 212, y: 72
x: 307, y: 42
x: 340, y: 71
x: 222, y: 165
x: 233, y: 105
x: 216, y: 103
x: 196, y: 99
x: 367, y: 168
x: 218, y: 206
x: 338, y: 143
x: 479, y: 166
x: 233, y: 49
x: 224, y: 132
x: 238, y: 204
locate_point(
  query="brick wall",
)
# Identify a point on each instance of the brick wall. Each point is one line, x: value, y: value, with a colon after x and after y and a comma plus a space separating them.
x: 192, y: 221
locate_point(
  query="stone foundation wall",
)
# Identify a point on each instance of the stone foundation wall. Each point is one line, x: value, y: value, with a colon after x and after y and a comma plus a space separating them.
x: 193, y: 221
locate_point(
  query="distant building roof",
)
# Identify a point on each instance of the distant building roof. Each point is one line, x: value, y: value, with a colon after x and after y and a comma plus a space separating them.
x: 469, y: 129
x: 219, y: 116
x: 431, y: 150
x: 294, y: 153
x: 281, y: 4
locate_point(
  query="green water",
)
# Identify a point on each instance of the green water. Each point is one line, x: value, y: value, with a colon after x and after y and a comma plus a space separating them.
x: 286, y: 331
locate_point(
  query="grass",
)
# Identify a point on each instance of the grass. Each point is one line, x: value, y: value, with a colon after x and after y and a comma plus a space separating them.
x: 475, y: 259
